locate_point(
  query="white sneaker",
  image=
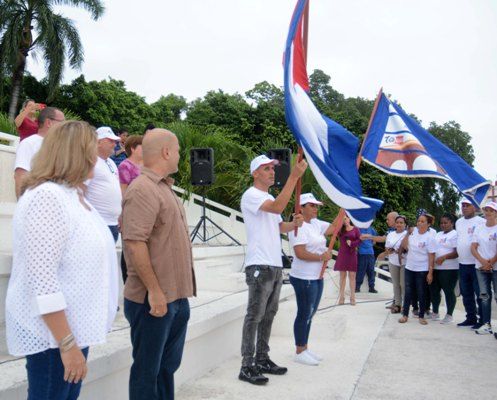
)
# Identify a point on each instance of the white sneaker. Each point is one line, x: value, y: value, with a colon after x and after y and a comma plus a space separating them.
x: 305, y: 358
x: 314, y: 355
x: 485, y: 329
x: 434, y: 317
x: 447, y: 319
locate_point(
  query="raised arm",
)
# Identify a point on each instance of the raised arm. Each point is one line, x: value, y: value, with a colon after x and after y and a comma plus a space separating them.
x: 278, y: 205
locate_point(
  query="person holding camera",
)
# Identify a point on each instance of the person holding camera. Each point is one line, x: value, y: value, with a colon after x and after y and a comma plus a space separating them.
x: 27, y: 120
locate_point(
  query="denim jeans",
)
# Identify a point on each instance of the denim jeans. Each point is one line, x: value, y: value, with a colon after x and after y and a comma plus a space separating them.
x: 485, y: 281
x: 308, y: 294
x: 415, y: 282
x: 470, y: 291
x: 264, y: 286
x: 157, y: 348
x: 365, y: 265
x: 114, y: 229
x: 46, y: 377
x: 445, y: 280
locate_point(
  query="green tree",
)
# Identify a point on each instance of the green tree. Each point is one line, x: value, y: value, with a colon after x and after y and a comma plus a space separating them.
x: 32, y: 26
x: 221, y: 110
x: 269, y: 117
x: 169, y: 108
x: 106, y: 102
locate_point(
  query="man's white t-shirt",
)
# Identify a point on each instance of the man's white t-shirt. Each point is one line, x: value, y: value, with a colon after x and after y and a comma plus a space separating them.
x: 263, y: 230
x: 312, y: 236
x: 446, y: 243
x: 104, y: 191
x: 486, y: 237
x: 465, y: 229
x: 419, y: 247
x: 393, y: 241
x: 26, y: 150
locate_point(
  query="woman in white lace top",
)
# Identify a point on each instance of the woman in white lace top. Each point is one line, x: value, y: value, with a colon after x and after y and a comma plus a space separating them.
x: 62, y: 294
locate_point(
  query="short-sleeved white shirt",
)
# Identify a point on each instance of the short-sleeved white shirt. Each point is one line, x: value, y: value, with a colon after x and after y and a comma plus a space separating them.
x: 26, y: 150
x: 393, y: 241
x: 446, y: 243
x: 312, y: 236
x: 486, y: 237
x: 263, y: 230
x: 104, y: 191
x: 465, y: 229
x: 419, y: 247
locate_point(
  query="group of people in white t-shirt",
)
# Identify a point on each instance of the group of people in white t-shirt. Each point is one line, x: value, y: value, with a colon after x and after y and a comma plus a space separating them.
x: 432, y: 262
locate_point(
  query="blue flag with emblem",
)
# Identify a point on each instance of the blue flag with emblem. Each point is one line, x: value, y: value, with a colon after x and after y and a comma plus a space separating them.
x: 398, y: 145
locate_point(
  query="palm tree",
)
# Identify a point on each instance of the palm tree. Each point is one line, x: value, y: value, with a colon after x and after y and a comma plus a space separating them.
x: 31, y: 27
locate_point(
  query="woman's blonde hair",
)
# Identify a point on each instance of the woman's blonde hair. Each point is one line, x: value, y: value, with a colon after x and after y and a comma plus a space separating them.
x: 67, y: 155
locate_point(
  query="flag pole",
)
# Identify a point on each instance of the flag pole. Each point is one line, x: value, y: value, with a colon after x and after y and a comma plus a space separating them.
x: 338, y: 222
x: 300, y: 151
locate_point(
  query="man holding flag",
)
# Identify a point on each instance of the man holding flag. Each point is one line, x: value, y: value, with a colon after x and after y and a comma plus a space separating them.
x: 263, y: 264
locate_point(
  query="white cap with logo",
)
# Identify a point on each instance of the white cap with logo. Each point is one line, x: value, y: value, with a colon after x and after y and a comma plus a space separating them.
x: 104, y: 132
x: 261, y: 160
x: 492, y: 205
x: 309, y: 198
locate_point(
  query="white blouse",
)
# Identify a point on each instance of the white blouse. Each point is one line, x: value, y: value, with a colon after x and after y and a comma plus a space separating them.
x: 64, y: 259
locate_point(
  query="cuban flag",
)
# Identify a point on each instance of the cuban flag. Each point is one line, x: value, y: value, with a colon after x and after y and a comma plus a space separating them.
x: 330, y: 149
x: 398, y: 145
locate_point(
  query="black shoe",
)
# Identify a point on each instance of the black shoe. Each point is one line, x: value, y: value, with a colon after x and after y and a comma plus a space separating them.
x: 372, y: 290
x: 467, y: 322
x: 252, y: 375
x: 476, y: 326
x: 358, y: 290
x: 269, y: 367
x: 495, y: 335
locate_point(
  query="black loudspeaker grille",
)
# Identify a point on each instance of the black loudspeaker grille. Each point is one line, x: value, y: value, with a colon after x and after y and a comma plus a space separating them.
x: 282, y: 170
x: 202, y: 166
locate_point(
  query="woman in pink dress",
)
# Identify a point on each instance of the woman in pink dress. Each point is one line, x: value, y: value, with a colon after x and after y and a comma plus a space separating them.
x: 346, y: 261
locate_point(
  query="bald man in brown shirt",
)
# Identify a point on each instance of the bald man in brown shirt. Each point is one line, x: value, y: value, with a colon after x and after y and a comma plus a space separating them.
x: 159, y: 258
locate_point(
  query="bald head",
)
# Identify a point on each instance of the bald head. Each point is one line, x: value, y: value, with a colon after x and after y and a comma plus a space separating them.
x: 160, y: 150
x: 391, y: 218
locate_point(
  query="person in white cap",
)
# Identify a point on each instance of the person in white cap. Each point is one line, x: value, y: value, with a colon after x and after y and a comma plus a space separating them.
x: 468, y: 283
x: 484, y: 249
x: 263, y: 264
x: 310, y: 251
x: 103, y: 190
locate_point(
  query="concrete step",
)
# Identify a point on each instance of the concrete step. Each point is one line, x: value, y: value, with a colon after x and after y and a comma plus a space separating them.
x: 213, y: 337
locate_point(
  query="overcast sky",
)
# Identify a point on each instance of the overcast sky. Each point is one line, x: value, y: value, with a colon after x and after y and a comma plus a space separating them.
x: 437, y: 57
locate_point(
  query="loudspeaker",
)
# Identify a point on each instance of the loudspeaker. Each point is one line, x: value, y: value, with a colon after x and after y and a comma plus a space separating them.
x: 202, y: 166
x: 282, y: 170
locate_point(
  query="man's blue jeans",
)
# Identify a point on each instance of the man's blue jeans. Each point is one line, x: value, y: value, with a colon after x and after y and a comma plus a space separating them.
x: 308, y: 294
x: 157, y: 348
x: 365, y: 265
x: 46, y: 377
x: 485, y: 281
x: 470, y: 291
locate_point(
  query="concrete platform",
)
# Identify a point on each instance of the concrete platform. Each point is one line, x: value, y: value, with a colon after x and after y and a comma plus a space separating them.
x: 367, y: 355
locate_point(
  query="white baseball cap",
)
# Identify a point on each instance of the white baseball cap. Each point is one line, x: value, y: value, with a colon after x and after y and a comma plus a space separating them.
x: 466, y: 201
x: 309, y: 198
x: 491, y: 204
x: 104, y: 132
x: 261, y: 160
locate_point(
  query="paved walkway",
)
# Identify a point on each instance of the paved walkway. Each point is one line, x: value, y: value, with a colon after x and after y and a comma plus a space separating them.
x: 368, y: 355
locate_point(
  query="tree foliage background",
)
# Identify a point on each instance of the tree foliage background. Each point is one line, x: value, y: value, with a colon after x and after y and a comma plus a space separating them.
x: 240, y: 126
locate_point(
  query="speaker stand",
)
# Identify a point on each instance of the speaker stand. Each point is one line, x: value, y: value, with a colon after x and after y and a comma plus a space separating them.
x: 200, y: 229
